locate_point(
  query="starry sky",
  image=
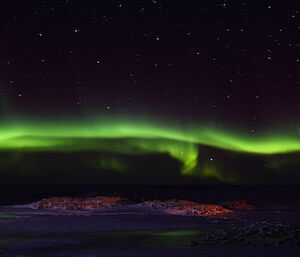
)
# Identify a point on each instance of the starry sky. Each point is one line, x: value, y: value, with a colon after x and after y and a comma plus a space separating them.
x: 226, y: 66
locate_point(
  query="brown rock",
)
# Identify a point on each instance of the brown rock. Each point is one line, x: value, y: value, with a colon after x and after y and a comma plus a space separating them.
x: 183, y: 207
x: 78, y: 203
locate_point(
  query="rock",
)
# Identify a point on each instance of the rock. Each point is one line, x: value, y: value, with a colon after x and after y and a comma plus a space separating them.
x: 256, y: 233
x: 78, y: 203
x: 183, y: 207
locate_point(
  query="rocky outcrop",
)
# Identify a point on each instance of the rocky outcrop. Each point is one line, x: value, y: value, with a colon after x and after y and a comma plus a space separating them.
x: 173, y: 207
x: 255, y: 233
x: 183, y: 207
x: 78, y: 203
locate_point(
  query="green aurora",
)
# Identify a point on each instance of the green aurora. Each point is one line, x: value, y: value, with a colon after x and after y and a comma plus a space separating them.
x: 139, y: 138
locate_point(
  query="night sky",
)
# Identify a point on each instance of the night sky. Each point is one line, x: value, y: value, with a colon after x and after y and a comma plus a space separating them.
x: 150, y: 91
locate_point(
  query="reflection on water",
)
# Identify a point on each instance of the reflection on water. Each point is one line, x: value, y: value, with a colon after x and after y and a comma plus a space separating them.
x: 152, y: 239
x: 170, y: 239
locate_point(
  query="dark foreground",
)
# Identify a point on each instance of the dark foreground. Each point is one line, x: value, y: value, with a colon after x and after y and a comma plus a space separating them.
x: 134, y: 230
x: 138, y: 232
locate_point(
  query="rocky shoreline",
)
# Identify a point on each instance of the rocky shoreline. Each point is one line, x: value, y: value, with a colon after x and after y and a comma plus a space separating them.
x: 254, y: 234
x: 172, y: 207
x: 78, y: 203
x: 87, y: 226
x: 183, y: 207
